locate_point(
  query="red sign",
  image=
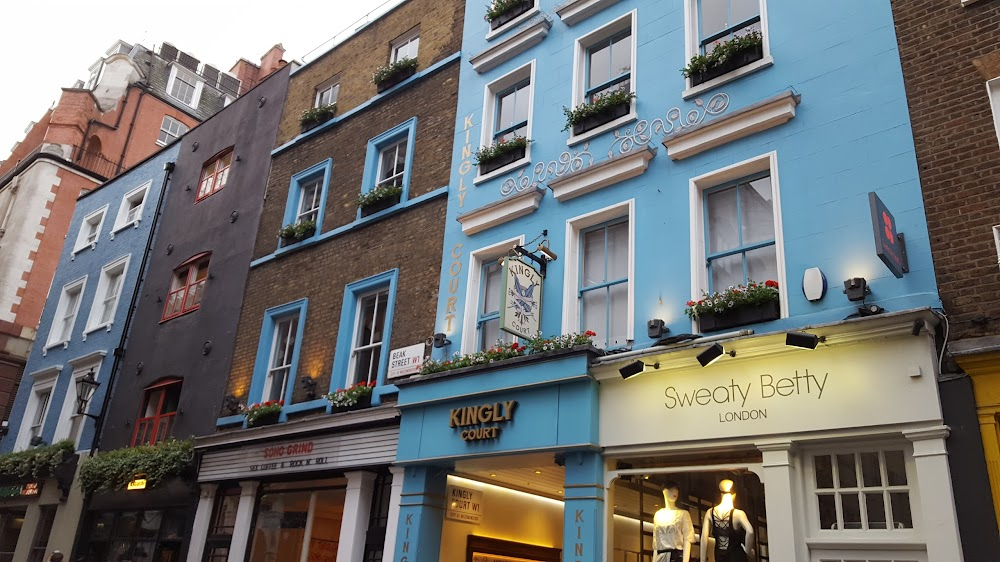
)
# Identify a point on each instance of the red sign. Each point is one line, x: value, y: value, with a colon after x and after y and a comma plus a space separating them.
x: 890, y: 246
x: 278, y: 451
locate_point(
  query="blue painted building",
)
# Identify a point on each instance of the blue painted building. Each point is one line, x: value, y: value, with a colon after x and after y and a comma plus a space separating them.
x: 82, y: 326
x: 644, y: 189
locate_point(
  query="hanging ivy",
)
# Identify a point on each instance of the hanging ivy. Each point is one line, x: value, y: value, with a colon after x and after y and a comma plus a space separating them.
x: 36, y: 462
x: 113, y: 470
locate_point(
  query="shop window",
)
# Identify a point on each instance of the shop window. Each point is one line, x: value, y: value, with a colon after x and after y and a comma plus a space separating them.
x: 170, y: 130
x: 159, y: 408
x: 214, y: 174
x: 66, y: 312
x: 146, y: 536
x: 739, y: 233
x: 278, y: 352
x: 388, y: 166
x: 220, y: 532
x: 283, y: 522
x: 109, y: 288
x: 862, y: 491
x: 405, y: 47
x: 11, y: 522
x: 46, y: 516
x: 307, y: 198
x: 90, y: 230
x: 187, y: 287
x: 604, y: 282
x: 130, y: 210
x: 365, y: 328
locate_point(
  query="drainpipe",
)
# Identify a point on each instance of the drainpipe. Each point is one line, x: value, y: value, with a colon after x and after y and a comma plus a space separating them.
x: 131, y: 127
x: 92, y: 122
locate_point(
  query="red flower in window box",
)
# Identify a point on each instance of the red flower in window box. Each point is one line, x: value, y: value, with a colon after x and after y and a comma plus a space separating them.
x: 262, y: 414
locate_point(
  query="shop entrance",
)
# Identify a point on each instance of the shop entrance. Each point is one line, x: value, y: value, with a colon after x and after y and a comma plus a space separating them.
x: 293, y: 525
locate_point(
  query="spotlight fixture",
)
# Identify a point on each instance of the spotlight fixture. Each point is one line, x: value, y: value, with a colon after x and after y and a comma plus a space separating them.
x: 36, y: 441
x: 4, y: 428
x: 635, y: 368
x: 712, y: 354
x: 856, y: 288
x: 231, y: 404
x: 656, y: 328
x: 441, y: 340
x: 804, y: 340
x: 309, y: 384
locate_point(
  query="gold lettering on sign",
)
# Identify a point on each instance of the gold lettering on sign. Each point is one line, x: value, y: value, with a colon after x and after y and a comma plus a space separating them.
x: 468, y: 416
x: 465, y: 166
x: 453, y: 283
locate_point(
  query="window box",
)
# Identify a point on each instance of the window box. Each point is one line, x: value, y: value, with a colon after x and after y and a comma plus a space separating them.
x: 379, y: 199
x: 511, y: 12
x: 714, y: 321
x: 388, y: 76
x: 297, y: 232
x: 514, y: 150
x: 380, y: 205
x: 270, y: 418
x: 736, y: 60
x: 362, y: 403
x: 594, y: 121
x: 312, y: 118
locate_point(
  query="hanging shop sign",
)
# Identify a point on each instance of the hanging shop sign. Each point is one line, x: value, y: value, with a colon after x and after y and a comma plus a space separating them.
x: 482, y: 422
x: 521, y: 309
x: 890, y: 246
x: 465, y: 505
x: 137, y: 484
x: 405, y: 361
x: 20, y: 490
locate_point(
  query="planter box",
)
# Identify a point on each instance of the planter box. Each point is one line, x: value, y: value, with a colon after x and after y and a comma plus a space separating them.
x: 289, y: 240
x: 380, y: 206
x: 266, y: 419
x: 595, y: 121
x: 502, y: 160
x: 739, y: 317
x: 363, y: 402
x: 395, y: 79
x: 510, y: 14
x: 739, y: 60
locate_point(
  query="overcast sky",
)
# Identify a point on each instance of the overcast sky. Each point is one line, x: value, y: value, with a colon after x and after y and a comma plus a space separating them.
x: 49, y: 44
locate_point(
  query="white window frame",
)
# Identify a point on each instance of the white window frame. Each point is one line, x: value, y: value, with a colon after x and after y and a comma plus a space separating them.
x: 70, y: 424
x: 165, y: 128
x: 44, y: 380
x: 477, y: 259
x: 121, y: 221
x: 526, y: 72
x: 397, y: 177
x: 352, y: 376
x: 582, y: 44
x: 269, y: 377
x: 119, y: 266
x: 699, y: 273
x: 692, y: 40
x: 190, y: 77
x: 571, y: 280
x: 58, y: 324
x: 328, y: 86
x: 94, y: 218
x: 404, y: 41
x: 993, y: 92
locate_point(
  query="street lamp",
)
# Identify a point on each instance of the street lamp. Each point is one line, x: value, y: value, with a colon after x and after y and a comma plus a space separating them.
x: 85, y: 388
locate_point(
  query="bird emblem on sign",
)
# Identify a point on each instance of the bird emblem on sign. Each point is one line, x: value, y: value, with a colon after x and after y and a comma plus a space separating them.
x: 523, y: 293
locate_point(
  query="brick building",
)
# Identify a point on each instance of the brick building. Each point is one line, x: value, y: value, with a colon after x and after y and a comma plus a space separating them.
x: 324, y: 306
x: 950, y: 55
x: 134, y: 102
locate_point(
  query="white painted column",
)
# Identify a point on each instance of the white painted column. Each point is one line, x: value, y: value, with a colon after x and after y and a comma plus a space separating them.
x: 357, y: 510
x: 939, y: 519
x: 244, y: 517
x: 389, y: 550
x: 780, y: 500
x: 202, y: 520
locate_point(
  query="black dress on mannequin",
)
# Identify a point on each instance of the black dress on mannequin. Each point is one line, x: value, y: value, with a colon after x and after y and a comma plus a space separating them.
x: 728, y: 539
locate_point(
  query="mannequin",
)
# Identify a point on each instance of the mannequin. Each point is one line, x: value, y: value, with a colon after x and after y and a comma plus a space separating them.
x: 673, y: 531
x: 729, y: 526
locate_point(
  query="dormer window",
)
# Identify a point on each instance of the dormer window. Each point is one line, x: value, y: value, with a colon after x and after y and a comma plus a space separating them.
x: 184, y: 86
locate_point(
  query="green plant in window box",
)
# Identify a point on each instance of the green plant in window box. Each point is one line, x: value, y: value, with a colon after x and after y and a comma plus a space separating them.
x: 36, y: 462
x: 312, y: 117
x: 263, y: 413
x: 389, y: 75
x: 352, y: 398
x: 113, y: 470
x: 500, y: 154
x: 291, y: 233
x: 736, y: 306
x: 378, y: 195
x: 726, y: 57
x: 500, y: 12
x: 604, y: 106
x: 502, y: 351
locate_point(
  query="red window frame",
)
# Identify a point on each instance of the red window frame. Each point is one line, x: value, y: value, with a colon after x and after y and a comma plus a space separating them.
x: 214, y: 174
x: 150, y: 430
x: 187, y: 286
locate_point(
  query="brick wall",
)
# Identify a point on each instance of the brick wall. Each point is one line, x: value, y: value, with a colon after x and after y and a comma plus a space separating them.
x: 353, y: 61
x: 948, y: 52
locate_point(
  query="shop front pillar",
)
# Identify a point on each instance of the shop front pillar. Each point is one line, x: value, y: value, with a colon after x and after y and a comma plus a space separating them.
x: 989, y: 428
x: 393, y: 523
x: 421, y: 514
x: 244, y: 517
x: 357, y: 511
x: 202, y: 520
x: 930, y: 455
x: 780, y: 501
x: 583, y: 511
